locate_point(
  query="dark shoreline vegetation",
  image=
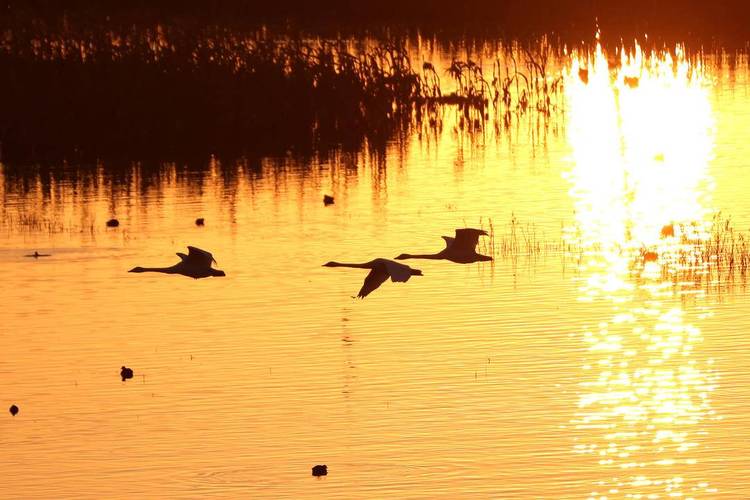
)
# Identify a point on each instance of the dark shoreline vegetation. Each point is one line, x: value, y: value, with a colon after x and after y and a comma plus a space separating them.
x: 180, y: 81
x: 166, y: 92
x: 695, y: 22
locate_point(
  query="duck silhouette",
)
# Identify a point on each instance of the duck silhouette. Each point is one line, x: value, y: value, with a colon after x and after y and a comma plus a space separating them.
x: 380, y: 271
x: 126, y: 373
x: 196, y: 264
x: 36, y: 255
x: 461, y: 249
x: 320, y: 470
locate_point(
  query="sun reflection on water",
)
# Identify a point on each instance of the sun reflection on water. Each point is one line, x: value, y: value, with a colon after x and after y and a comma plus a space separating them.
x: 640, y: 129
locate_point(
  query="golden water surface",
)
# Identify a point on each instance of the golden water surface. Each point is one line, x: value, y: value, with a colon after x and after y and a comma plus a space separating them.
x: 584, y: 369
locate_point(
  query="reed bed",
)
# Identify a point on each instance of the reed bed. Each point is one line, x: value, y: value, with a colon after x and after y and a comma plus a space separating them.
x: 698, y: 254
x: 166, y: 92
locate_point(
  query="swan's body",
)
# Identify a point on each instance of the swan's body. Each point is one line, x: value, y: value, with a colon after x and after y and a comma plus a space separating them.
x: 196, y: 264
x: 461, y: 249
x: 380, y: 271
x: 36, y: 255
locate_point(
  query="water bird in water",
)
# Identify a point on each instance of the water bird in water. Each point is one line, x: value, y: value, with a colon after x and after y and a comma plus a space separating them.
x: 380, y: 271
x: 583, y: 74
x: 320, y: 470
x: 461, y: 249
x: 196, y: 264
x: 649, y: 255
x: 14, y: 411
x: 200, y: 221
x: 667, y: 231
x: 113, y: 223
x: 327, y: 200
x: 36, y: 255
x: 631, y: 81
x: 126, y: 373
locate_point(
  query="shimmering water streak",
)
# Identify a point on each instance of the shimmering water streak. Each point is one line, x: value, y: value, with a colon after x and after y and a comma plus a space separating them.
x: 641, y: 138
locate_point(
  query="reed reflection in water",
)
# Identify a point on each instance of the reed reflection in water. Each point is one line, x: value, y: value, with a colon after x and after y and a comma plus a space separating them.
x: 639, y: 165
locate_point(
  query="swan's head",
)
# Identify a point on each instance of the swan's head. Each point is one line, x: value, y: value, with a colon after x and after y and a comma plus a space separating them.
x: 138, y: 269
x: 217, y: 272
x: 331, y: 264
x: 403, y: 256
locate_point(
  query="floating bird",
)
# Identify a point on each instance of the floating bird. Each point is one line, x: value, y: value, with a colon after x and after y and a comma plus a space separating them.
x: 196, y: 264
x: 126, y: 373
x: 14, y: 411
x: 36, y: 255
x: 380, y: 271
x: 583, y: 74
x: 461, y: 249
x: 200, y: 221
x: 327, y: 200
x: 631, y: 81
x: 320, y: 470
x: 667, y: 231
x: 113, y: 223
x: 649, y: 255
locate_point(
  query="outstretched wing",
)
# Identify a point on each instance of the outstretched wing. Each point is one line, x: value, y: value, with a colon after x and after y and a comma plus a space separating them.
x: 199, y: 257
x: 467, y: 239
x: 182, y: 256
x: 398, y: 272
x: 448, y: 241
x: 374, y: 279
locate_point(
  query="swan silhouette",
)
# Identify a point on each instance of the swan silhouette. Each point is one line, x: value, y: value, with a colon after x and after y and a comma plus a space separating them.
x: 196, y: 264
x: 380, y: 271
x: 461, y: 249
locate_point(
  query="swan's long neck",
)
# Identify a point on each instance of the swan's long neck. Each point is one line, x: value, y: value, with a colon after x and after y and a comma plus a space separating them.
x: 344, y: 264
x: 422, y: 256
x: 167, y: 270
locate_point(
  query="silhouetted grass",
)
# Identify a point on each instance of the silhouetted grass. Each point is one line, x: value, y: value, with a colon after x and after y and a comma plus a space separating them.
x: 165, y: 92
x: 717, y: 252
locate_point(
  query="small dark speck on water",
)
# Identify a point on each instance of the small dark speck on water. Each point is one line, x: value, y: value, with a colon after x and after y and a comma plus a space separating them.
x: 13, y: 410
x: 126, y: 373
x: 328, y: 200
x: 113, y: 223
x: 320, y: 470
x: 200, y: 221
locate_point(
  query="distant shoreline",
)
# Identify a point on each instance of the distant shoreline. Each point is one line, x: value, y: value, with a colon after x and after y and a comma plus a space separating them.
x: 697, y: 23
